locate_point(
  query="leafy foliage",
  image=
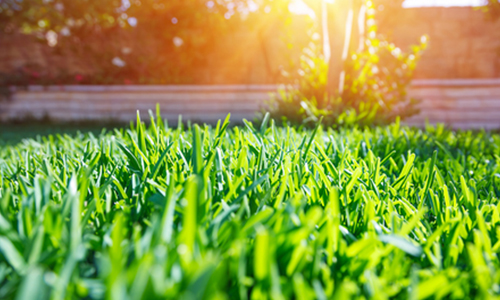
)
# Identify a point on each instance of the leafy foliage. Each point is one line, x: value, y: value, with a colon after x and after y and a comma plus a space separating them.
x: 256, y: 212
x: 377, y: 78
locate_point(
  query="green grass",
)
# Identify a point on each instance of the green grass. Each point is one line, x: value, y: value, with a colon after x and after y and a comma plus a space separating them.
x: 252, y: 212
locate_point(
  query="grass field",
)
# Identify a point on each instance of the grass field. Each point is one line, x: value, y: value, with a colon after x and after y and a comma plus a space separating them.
x: 251, y: 212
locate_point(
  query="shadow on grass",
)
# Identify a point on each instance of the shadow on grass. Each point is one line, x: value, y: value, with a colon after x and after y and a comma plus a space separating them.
x: 15, y: 132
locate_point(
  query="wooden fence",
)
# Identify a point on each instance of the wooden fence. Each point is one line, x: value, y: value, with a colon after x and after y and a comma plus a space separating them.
x: 464, y: 103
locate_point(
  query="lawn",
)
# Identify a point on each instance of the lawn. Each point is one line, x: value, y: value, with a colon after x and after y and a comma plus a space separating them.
x: 251, y: 212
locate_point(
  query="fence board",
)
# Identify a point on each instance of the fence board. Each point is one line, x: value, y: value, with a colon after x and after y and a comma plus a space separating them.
x: 459, y: 103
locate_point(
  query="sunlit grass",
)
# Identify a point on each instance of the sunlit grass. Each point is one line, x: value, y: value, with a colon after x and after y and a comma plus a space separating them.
x: 252, y: 212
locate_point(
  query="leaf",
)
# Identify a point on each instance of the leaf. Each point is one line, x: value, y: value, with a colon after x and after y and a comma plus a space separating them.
x: 261, y: 255
x: 190, y: 223
x: 197, y: 150
x: 12, y: 255
x: 156, y: 168
x: 401, y: 244
x: 431, y: 286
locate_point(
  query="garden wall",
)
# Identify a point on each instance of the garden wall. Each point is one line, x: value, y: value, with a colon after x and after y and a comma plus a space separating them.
x: 459, y: 103
x: 207, y: 103
x: 463, y: 42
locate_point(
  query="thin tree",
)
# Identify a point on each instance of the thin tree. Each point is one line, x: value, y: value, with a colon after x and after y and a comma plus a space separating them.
x: 343, y: 26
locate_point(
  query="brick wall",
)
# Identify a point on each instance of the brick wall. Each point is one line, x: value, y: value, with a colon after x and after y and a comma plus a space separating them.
x: 243, y: 56
x: 463, y: 43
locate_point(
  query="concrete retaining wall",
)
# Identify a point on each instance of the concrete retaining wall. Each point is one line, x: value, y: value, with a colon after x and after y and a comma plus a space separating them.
x: 463, y: 103
x: 120, y: 103
x: 458, y: 103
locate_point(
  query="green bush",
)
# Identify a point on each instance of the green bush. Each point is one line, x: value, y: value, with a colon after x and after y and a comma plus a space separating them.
x: 377, y: 78
x: 251, y: 213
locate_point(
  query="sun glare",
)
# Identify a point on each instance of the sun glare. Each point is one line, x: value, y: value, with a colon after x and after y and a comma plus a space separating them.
x: 442, y: 3
x: 298, y: 7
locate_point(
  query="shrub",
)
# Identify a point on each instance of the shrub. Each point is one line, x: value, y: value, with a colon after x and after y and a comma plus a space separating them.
x: 375, y: 87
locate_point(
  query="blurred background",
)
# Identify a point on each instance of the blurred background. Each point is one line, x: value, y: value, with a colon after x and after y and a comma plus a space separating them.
x: 92, y: 61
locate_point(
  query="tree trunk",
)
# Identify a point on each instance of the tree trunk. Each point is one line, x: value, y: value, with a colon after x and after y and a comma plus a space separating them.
x: 345, y: 19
